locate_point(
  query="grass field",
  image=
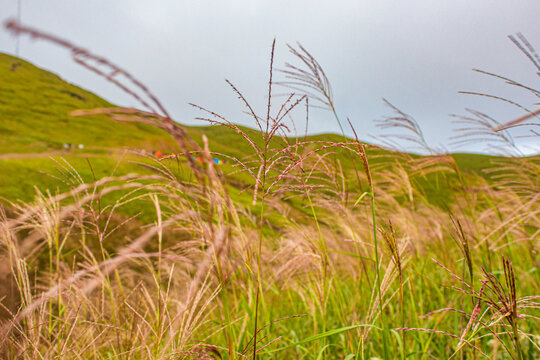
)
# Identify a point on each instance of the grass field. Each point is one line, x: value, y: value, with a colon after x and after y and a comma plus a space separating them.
x: 311, y: 248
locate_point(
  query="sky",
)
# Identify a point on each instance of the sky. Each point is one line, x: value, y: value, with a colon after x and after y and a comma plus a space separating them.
x: 417, y: 54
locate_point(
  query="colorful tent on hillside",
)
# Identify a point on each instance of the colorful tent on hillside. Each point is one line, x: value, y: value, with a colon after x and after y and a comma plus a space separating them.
x: 215, y: 160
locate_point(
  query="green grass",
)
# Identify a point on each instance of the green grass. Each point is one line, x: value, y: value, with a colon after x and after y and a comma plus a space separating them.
x: 34, y: 118
x: 34, y: 114
x: 306, y: 265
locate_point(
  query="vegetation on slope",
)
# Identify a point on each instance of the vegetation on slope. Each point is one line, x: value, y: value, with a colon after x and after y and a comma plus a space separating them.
x: 34, y: 114
x: 370, y: 266
x: 34, y: 120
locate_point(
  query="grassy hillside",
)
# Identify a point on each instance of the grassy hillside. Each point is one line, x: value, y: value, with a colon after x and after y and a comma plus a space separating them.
x: 336, y: 255
x: 35, y: 124
x: 34, y: 108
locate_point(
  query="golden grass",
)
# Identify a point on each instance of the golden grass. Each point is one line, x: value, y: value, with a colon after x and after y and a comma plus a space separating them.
x: 215, y: 278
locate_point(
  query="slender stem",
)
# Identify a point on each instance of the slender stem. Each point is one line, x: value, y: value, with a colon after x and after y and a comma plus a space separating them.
x: 516, y: 338
x: 337, y: 118
x: 325, y: 264
x: 258, y: 283
x: 403, y: 333
x: 377, y: 262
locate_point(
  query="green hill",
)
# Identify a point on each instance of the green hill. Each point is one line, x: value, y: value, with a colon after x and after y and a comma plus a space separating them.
x: 34, y: 108
x: 35, y: 124
x: 332, y: 263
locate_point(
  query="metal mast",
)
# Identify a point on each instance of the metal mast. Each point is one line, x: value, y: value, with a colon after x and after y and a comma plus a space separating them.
x: 17, y: 39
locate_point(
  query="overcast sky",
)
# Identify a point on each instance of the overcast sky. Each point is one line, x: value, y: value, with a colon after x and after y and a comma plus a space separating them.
x: 417, y: 54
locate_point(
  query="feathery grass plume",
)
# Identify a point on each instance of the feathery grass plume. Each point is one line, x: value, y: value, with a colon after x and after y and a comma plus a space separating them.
x: 462, y: 241
x: 191, y: 282
x: 84, y: 58
x: 112, y: 72
x: 100, y: 65
x: 272, y: 165
x: 478, y: 127
x: 483, y: 128
x: 403, y: 121
x: 503, y: 302
x: 500, y: 301
x: 314, y: 83
x: 277, y: 169
x: 525, y: 46
x: 83, y: 279
x: 397, y: 254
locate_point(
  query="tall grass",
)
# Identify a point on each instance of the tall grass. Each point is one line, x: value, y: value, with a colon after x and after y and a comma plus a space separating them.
x: 285, y: 265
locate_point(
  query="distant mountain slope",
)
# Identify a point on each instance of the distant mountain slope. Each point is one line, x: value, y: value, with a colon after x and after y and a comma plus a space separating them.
x: 34, y: 108
x: 34, y: 121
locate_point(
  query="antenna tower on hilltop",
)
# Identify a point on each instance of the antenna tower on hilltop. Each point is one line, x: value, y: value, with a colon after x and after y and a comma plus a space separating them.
x: 17, y: 39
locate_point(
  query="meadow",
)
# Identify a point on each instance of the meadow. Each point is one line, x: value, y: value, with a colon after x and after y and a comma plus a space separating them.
x: 298, y: 247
